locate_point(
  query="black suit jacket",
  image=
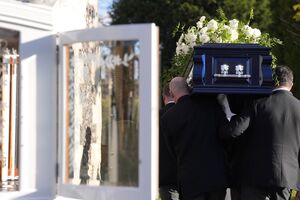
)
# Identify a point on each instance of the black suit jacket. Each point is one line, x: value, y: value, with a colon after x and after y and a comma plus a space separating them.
x: 271, y: 153
x: 167, y: 161
x: 191, y: 127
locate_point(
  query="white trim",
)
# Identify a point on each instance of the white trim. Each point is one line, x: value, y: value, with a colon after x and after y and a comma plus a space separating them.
x: 64, y: 198
x: 24, y: 14
x: 154, y: 82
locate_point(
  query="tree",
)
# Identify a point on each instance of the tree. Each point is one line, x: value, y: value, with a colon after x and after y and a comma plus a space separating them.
x: 285, y: 28
x: 167, y: 14
x: 296, y: 8
x: 262, y: 13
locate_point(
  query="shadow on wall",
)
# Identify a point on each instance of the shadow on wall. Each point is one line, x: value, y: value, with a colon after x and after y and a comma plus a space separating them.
x: 38, y: 118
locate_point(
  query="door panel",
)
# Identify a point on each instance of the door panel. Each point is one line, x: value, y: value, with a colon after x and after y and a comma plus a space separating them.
x: 108, y: 108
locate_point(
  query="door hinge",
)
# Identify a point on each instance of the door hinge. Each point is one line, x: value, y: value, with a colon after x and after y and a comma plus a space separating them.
x: 57, y: 55
x: 56, y: 172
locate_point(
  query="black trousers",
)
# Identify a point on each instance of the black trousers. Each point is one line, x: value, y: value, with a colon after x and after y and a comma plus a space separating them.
x: 167, y: 192
x: 215, y: 195
x: 265, y: 193
x: 235, y: 193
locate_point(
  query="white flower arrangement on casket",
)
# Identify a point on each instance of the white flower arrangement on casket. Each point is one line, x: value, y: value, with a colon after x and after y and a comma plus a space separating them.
x: 219, y: 31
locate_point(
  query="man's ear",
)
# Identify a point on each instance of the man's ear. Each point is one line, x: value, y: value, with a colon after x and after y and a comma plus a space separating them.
x: 291, y: 85
x: 171, y: 94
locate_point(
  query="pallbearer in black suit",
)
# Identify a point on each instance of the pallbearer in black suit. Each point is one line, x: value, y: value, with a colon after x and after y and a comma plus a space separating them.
x: 271, y: 159
x: 167, y: 161
x: 191, y: 127
x: 168, y: 100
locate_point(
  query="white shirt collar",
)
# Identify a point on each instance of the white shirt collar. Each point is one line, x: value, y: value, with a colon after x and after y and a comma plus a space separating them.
x: 280, y: 88
x: 170, y: 102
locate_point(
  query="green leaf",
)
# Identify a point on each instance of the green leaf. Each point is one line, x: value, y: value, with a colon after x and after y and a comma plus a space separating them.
x: 251, y: 16
x: 296, y: 7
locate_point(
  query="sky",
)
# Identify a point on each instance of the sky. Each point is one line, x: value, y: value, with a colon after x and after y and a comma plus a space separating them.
x: 103, y: 6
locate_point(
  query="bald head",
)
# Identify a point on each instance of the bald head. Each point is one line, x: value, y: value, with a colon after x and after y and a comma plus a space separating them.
x: 178, y: 87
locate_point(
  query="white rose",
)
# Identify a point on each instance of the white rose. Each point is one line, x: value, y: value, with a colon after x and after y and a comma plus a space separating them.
x: 234, y: 35
x: 185, y: 49
x: 256, y: 33
x: 178, y: 47
x: 212, y: 25
x: 203, y: 30
x: 248, y: 31
x: 180, y: 40
x: 190, y: 37
x: 178, y: 50
x: 204, y: 38
x: 182, y: 48
x: 233, y: 24
x: 202, y: 19
x: 199, y: 24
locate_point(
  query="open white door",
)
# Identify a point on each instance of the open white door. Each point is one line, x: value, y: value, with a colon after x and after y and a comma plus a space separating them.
x: 108, y: 113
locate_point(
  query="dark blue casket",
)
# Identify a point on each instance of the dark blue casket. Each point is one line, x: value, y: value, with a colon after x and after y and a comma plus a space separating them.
x: 232, y: 69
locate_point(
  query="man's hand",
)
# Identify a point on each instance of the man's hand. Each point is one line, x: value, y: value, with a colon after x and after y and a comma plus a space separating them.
x: 223, y: 101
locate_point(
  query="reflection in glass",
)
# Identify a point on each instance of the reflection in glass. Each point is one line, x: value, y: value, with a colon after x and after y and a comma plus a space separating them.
x: 102, y: 113
x: 9, y: 110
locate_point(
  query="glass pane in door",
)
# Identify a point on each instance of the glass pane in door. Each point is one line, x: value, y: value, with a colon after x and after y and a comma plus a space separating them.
x: 102, y: 113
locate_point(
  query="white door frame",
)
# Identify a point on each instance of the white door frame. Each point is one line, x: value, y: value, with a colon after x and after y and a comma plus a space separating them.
x: 147, y: 35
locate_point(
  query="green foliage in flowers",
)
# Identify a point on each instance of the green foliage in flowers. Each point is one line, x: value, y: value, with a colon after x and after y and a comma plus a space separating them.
x: 296, y: 8
x: 221, y: 30
x: 179, y: 69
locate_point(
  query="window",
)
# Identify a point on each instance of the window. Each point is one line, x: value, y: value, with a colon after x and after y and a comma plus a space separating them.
x: 102, y: 113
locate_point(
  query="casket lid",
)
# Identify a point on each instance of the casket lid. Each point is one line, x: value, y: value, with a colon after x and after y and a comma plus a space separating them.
x: 244, y: 46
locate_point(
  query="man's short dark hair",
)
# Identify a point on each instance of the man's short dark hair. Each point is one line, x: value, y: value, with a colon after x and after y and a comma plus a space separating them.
x: 284, y: 75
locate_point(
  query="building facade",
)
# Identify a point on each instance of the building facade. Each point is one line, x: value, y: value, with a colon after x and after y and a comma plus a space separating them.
x: 79, y: 103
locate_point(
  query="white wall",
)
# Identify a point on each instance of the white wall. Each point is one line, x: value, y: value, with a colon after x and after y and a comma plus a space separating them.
x: 37, y: 25
x: 38, y: 82
x: 70, y: 15
x: 37, y: 114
